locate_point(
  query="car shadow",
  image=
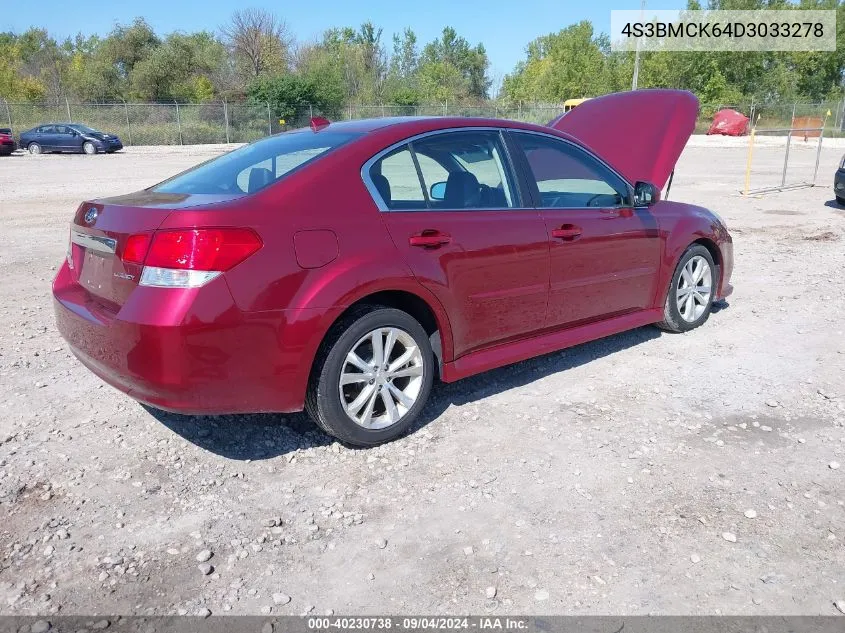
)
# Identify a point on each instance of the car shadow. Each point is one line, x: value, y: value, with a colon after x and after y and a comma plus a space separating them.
x: 266, y: 436
x: 526, y: 372
x: 833, y: 204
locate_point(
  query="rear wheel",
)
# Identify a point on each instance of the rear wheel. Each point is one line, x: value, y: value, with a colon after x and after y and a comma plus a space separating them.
x: 691, y: 292
x: 840, y: 201
x: 89, y: 148
x: 372, y: 376
x: 34, y: 148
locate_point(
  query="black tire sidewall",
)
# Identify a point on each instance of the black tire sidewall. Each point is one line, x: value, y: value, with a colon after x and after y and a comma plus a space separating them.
x: 31, y: 145
x: 673, y: 315
x: 89, y: 143
x: 330, y: 413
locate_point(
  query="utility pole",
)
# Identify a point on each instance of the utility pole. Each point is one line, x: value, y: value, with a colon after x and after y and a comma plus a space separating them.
x: 637, y: 54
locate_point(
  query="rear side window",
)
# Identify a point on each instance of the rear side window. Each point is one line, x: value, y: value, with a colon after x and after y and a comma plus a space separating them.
x: 256, y: 166
x: 464, y: 169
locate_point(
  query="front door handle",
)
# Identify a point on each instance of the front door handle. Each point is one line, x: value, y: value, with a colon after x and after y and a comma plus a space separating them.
x: 567, y: 232
x: 430, y: 238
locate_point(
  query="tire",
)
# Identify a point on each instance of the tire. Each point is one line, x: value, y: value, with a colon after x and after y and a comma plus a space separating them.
x: 34, y: 148
x: 89, y: 148
x: 682, y: 312
x: 840, y: 201
x: 326, y: 401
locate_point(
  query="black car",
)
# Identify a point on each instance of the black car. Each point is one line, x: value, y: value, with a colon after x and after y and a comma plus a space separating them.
x: 839, y: 183
x: 7, y: 141
x: 68, y: 137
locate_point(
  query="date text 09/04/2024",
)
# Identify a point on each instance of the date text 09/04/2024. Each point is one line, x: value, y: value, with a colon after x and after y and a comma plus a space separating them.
x: 417, y: 623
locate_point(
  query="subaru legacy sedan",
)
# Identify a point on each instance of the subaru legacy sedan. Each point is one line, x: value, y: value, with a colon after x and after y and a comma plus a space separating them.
x: 343, y: 267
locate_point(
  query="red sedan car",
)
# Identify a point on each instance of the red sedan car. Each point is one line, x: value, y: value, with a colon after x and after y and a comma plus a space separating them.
x: 342, y: 268
x: 7, y: 142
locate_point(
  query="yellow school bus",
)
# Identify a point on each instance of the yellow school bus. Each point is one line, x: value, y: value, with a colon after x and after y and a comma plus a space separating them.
x: 569, y: 104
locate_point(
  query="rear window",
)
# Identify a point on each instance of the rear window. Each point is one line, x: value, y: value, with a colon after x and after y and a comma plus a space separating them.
x: 256, y: 166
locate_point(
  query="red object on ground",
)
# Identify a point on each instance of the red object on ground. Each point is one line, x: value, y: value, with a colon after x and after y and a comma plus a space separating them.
x: 729, y: 123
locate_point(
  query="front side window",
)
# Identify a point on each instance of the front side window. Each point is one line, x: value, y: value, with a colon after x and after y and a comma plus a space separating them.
x: 255, y: 166
x: 568, y: 177
x: 453, y: 170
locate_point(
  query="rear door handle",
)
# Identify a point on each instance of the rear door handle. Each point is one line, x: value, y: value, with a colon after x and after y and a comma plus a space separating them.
x: 567, y: 232
x: 430, y: 238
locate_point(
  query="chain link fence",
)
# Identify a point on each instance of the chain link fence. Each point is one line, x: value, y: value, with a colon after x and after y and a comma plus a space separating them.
x: 222, y: 122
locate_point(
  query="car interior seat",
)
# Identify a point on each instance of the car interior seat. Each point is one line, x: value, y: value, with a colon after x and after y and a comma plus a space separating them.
x: 462, y: 191
x: 383, y: 186
x: 259, y: 177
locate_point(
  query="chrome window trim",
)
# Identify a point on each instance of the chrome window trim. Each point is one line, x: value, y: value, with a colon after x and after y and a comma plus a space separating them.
x: 598, y: 159
x: 96, y: 243
x: 373, y: 191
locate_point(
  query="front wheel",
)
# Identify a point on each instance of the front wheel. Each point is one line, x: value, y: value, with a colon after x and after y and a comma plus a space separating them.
x: 691, y: 292
x: 89, y: 148
x: 372, y: 376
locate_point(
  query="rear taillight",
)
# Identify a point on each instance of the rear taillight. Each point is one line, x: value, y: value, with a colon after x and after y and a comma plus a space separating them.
x: 136, y: 247
x: 188, y: 258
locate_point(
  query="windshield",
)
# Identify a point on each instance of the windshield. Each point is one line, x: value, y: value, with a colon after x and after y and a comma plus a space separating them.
x: 85, y: 129
x: 251, y: 168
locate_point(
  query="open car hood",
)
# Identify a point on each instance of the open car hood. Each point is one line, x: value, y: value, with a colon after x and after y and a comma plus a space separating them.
x: 641, y: 134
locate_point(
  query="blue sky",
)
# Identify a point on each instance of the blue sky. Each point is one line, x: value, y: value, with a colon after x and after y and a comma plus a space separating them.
x: 505, y: 27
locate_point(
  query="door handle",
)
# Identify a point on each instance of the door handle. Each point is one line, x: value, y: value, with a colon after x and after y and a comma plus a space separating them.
x: 567, y: 232
x: 430, y: 238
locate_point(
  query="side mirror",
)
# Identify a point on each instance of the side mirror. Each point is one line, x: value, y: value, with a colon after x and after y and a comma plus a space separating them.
x: 437, y: 191
x: 645, y: 194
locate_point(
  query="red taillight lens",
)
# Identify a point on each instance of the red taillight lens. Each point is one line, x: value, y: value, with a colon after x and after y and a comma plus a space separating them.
x: 136, y: 248
x: 201, y: 249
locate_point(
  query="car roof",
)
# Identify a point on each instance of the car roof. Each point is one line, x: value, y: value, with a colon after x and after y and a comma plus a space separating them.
x: 425, y: 123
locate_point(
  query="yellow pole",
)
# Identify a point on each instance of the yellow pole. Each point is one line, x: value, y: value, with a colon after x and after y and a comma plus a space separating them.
x: 748, y: 162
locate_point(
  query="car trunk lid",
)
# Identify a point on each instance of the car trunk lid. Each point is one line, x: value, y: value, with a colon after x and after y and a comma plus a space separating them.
x: 99, y: 236
x: 641, y: 133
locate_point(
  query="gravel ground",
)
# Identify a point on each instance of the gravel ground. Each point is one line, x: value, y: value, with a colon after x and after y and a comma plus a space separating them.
x: 643, y: 473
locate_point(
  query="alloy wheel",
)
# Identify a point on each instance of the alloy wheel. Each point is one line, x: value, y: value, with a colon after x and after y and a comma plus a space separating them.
x: 381, y: 378
x: 695, y: 289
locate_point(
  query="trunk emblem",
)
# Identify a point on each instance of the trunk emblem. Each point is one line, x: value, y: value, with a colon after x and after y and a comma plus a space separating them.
x: 91, y: 215
x: 124, y: 276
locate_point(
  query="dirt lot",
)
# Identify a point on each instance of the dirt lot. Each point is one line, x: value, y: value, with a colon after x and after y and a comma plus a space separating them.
x: 644, y: 473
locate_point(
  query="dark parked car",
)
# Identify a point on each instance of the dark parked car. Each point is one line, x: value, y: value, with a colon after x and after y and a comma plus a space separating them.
x: 342, y: 268
x: 7, y: 141
x: 839, y: 183
x: 68, y: 137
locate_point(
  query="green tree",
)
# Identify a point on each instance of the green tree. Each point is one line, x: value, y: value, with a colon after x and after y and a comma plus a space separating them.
x: 568, y: 64
x: 464, y: 67
x: 288, y: 94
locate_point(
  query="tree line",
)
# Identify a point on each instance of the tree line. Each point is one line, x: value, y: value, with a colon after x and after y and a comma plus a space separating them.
x: 254, y: 56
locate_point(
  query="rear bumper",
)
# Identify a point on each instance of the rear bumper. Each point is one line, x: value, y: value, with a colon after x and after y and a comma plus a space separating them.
x: 190, y: 352
x: 7, y: 148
